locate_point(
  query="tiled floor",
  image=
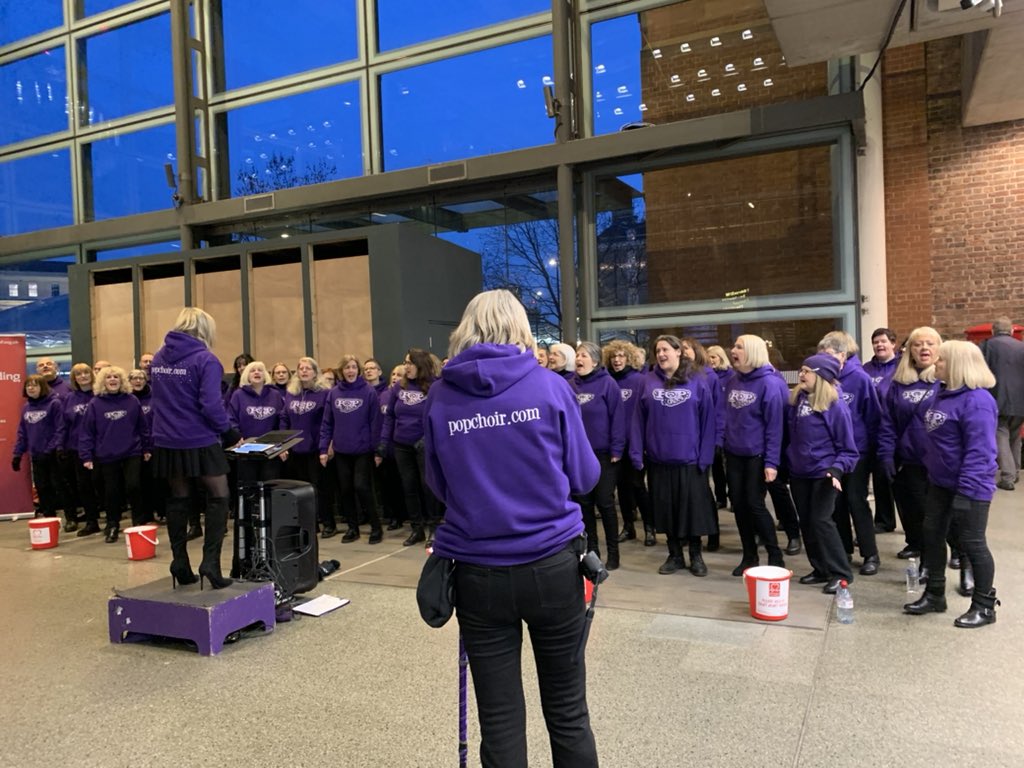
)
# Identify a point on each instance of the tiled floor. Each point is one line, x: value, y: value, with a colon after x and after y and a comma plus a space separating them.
x: 679, y: 673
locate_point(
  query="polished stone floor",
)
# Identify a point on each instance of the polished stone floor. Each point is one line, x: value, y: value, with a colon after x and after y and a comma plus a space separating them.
x: 679, y: 673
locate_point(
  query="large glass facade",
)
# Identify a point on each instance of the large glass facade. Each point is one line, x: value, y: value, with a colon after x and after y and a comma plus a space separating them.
x: 35, y: 192
x: 24, y: 18
x: 34, y: 301
x: 33, y: 96
x: 446, y: 17
x: 127, y: 172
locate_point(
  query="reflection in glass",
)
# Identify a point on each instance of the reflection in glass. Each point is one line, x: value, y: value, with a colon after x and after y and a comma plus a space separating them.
x: 265, y: 39
x: 303, y: 139
x: 24, y: 18
x: 148, y: 249
x: 446, y: 17
x: 128, y: 172
x: 724, y: 230
x: 432, y: 113
x: 91, y: 7
x: 789, y: 341
x: 42, y: 317
x: 33, y: 96
x: 35, y: 192
x: 128, y: 70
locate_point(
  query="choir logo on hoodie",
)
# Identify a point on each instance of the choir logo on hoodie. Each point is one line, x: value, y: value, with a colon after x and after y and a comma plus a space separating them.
x: 916, y: 396
x: 302, y: 406
x: 740, y: 398
x: 261, y: 412
x: 670, y: 398
x: 348, y: 404
x: 626, y: 394
x: 34, y: 417
x: 848, y: 398
x: 411, y: 396
x: 934, y: 419
x: 584, y: 397
x: 115, y: 415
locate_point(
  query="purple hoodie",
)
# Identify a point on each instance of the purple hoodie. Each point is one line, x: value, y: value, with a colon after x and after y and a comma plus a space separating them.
x: 505, y: 448
x: 881, y: 373
x: 113, y: 428
x: 960, y: 452
x: 187, y: 407
x: 820, y: 443
x: 754, y: 415
x: 145, y: 398
x: 630, y: 380
x: 74, y: 409
x: 673, y: 426
x: 60, y: 388
x: 255, y: 414
x: 901, y: 436
x: 351, y: 419
x: 41, y: 427
x: 380, y: 387
x: 604, y: 418
x: 860, y: 395
x: 305, y: 412
x: 403, y: 420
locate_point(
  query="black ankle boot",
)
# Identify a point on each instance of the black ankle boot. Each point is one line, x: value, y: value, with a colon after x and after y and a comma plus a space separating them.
x: 628, y: 533
x: 415, y: 537
x: 376, y: 535
x: 926, y: 603
x: 981, y: 612
x: 650, y: 539
x: 216, y: 519
x: 697, y: 566
x: 714, y: 542
x: 350, y: 535
x: 966, y: 587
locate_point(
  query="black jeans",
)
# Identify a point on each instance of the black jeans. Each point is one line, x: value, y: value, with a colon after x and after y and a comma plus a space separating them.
x: 885, y: 510
x: 121, y: 482
x: 491, y: 606
x: 853, y: 504
x: 602, y: 496
x: 782, y: 503
x: 815, y: 502
x: 971, y: 519
x: 355, y: 483
x: 631, y: 487
x: 910, y: 487
x: 420, y: 502
x: 718, y: 475
x: 86, y: 488
x: 747, y: 488
x: 46, y: 476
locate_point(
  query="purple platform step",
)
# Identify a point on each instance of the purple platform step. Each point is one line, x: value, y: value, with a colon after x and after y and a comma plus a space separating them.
x: 205, y: 617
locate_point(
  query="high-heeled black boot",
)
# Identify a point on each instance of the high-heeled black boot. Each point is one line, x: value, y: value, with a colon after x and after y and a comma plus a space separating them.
x: 981, y: 612
x: 966, y: 587
x: 216, y: 519
x: 177, y: 526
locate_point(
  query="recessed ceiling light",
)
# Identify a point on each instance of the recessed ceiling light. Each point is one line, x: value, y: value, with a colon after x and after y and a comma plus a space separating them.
x: 768, y: 82
x: 702, y: 73
x: 716, y: 92
x: 716, y: 41
x: 750, y: 204
x: 741, y: 87
x: 690, y: 97
x: 758, y: 62
x: 730, y: 67
x: 675, y: 79
x: 656, y: 53
x: 684, y: 48
x: 748, y: 34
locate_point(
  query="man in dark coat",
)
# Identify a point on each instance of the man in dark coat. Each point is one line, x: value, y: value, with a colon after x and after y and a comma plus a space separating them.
x: 1005, y: 357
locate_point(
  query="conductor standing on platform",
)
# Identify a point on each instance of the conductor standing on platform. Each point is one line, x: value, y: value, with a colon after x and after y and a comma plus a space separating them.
x: 505, y: 448
x: 189, y: 427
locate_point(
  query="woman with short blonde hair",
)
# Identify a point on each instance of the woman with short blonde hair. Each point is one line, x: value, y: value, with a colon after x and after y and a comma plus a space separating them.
x: 304, y: 405
x: 196, y: 323
x: 494, y: 316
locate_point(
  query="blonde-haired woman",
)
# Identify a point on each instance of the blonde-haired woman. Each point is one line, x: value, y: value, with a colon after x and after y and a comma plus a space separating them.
x: 255, y: 408
x: 114, y: 441
x: 901, y: 437
x: 562, y: 360
x: 718, y: 361
x: 304, y: 404
x: 189, y: 427
x: 74, y: 409
x: 960, y: 458
x: 280, y: 375
x: 821, y: 451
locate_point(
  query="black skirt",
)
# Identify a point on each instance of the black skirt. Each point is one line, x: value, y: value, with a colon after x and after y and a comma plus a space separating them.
x: 682, y: 501
x: 189, y: 462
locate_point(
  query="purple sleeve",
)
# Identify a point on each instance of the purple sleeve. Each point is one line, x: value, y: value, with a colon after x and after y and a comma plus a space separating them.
x: 211, y: 400
x: 375, y: 418
x: 387, y: 427
x: 431, y: 466
x: 327, y: 426
x: 774, y: 417
x: 841, y: 427
x: 708, y: 428
x: 887, y: 426
x: 578, y: 460
x: 872, y: 412
x: 21, y: 442
x: 978, y: 437
x: 145, y: 435
x: 87, y: 434
x: 636, y: 430
x: 56, y: 441
x: 285, y: 422
x: 233, y: 408
x: 617, y: 412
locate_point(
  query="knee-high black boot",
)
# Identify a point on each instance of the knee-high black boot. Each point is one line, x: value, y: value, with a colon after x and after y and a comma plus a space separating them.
x: 177, y: 526
x: 216, y: 520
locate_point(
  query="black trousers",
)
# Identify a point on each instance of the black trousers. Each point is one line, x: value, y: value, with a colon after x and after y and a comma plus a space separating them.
x: 420, y: 502
x: 46, y: 477
x: 70, y: 499
x: 910, y: 487
x: 491, y: 606
x: 971, y: 519
x: 122, y: 481
x: 85, y: 482
x: 389, y: 486
x: 815, y: 504
x: 885, y: 508
x: 306, y: 467
x: 853, y: 504
x: 631, y: 487
x: 719, y: 477
x: 782, y: 503
x: 355, y: 484
x: 602, y: 497
x: 747, y: 485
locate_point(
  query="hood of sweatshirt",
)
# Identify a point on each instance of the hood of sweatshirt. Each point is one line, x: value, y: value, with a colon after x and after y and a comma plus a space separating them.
x: 485, y: 370
x: 178, y: 346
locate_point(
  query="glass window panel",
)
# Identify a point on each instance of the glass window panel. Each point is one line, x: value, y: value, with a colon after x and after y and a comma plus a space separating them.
x: 128, y: 172
x: 402, y: 22
x: 35, y: 192
x: 263, y: 41
x: 91, y: 7
x: 24, y: 18
x: 137, y: 250
x: 477, y: 104
x: 750, y: 226
x: 44, y: 319
x: 790, y: 341
x: 689, y: 60
x: 128, y: 70
x: 303, y: 139
x: 33, y: 96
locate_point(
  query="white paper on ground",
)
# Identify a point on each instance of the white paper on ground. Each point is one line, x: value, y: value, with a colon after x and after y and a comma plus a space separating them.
x: 318, y: 606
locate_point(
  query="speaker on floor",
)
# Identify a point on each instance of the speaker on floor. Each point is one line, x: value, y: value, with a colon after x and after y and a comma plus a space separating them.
x: 292, y: 536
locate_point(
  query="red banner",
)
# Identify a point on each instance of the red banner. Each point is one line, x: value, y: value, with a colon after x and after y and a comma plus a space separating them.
x: 15, y: 487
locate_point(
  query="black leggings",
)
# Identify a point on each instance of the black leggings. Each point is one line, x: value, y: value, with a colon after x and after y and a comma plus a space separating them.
x: 602, y: 496
x: 747, y: 487
x: 971, y: 519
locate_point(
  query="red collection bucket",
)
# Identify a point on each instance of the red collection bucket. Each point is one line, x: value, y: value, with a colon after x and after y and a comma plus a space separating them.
x: 768, y: 591
x: 141, y: 542
x: 43, y: 532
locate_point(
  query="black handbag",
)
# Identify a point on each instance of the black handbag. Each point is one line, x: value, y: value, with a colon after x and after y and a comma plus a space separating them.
x: 435, y: 593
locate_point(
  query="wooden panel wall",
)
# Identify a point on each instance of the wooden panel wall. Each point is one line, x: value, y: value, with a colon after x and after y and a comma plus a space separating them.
x: 341, y: 316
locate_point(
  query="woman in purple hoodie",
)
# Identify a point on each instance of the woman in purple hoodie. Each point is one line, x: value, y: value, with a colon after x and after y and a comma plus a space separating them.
x: 41, y: 435
x: 718, y: 361
x: 821, y: 451
x: 604, y: 419
x: 506, y: 448
x: 402, y: 432
x: 350, y: 431
x: 304, y: 405
x: 114, y: 441
x: 960, y: 458
x: 673, y: 436
x: 74, y: 409
x: 255, y: 409
x: 189, y: 427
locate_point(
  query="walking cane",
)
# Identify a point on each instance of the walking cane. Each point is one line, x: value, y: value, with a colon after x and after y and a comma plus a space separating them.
x: 463, y: 664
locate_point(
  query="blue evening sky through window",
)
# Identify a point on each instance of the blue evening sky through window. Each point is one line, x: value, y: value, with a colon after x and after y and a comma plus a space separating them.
x: 24, y: 18
x: 35, y: 192
x: 404, y: 22
x: 33, y: 96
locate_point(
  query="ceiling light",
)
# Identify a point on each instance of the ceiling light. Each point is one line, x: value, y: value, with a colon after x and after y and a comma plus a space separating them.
x: 643, y: 107
x: 716, y: 92
x: 741, y: 87
x: 656, y: 53
x: 285, y: 235
x: 599, y: 69
x: 748, y: 34
x: 702, y: 73
x: 716, y: 41
x: 758, y: 61
x: 684, y: 48
x: 750, y: 204
x: 690, y: 97
x: 768, y: 83
x: 521, y: 83
x: 675, y: 79
x: 730, y: 67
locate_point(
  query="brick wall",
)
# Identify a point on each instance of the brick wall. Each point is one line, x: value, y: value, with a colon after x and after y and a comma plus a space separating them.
x: 954, y: 199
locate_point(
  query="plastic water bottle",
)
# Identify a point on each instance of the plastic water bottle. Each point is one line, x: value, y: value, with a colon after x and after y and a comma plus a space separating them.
x: 844, y: 604
x: 913, y: 576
